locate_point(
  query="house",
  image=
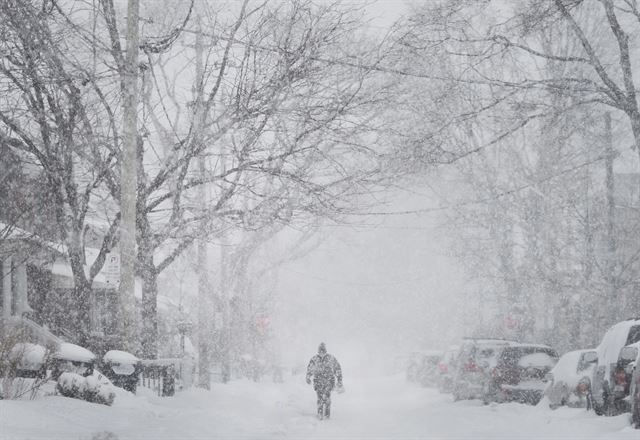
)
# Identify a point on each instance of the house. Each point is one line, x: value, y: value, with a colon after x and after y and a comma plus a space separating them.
x: 37, y: 282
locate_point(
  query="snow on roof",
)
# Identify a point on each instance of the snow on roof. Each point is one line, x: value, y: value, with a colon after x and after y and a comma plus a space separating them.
x: 119, y: 357
x: 15, y: 233
x: 73, y: 352
x: 39, y: 333
x: 62, y: 268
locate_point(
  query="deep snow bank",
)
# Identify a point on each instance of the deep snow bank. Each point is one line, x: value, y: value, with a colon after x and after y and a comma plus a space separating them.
x: 383, y: 407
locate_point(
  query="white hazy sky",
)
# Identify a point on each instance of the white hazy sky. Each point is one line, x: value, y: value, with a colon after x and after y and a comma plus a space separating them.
x: 372, y: 293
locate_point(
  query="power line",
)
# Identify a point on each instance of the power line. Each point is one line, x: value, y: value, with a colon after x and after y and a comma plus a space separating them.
x: 357, y: 284
x: 486, y: 200
x: 357, y: 63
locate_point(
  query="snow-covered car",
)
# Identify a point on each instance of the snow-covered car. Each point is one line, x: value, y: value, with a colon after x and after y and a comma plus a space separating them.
x: 569, y: 382
x: 609, y: 386
x: 519, y: 374
x: 428, y: 369
x: 414, y: 362
x: 634, y: 389
x: 447, y: 368
x: 476, y: 358
x: 622, y: 376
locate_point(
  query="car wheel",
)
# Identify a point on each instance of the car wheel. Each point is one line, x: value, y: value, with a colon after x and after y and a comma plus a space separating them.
x: 635, y: 416
x: 488, y: 394
x: 610, y: 407
x: 599, y: 409
x: 457, y: 394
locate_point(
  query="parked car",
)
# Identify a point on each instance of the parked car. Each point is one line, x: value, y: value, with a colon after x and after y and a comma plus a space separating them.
x: 447, y: 368
x: 428, y: 369
x: 634, y: 391
x: 476, y: 358
x: 609, y: 386
x: 413, y: 366
x: 569, y: 382
x: 519, y: 374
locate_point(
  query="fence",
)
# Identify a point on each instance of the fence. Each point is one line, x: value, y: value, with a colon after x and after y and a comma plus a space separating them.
x: 166, y: 376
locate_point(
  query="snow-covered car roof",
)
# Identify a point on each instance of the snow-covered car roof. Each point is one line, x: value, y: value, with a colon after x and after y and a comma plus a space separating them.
x: 566, y: 370
x: 614, y: 339
x: 433, y: 353
x: 493, y: 341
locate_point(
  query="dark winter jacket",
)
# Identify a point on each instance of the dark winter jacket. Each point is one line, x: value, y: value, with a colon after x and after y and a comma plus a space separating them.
x: 325, y: 369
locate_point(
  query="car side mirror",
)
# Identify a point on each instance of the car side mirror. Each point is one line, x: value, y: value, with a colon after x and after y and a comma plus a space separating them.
x: 590, y: 357
x: 630, y: 367
x: 628, y: 354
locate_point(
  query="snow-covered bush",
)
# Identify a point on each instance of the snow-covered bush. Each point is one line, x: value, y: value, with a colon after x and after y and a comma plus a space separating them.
x: 94, y: 388
x: 22, y: 363
x: 72, y: 358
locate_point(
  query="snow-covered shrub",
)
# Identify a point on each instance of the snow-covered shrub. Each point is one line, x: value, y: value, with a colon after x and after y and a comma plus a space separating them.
x: 22, y: 364
x: 92, y: 388
x: 72, y: 358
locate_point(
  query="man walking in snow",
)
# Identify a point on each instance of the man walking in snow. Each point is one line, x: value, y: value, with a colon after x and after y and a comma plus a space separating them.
x: 325, y: 369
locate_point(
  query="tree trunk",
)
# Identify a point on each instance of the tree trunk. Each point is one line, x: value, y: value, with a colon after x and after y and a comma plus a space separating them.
x: 205, y: 317
x: 81, y: 317
x: 149, y: 312
x: 128, y: 184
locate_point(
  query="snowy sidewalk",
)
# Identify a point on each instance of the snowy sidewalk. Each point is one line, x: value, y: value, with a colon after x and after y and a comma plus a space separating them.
x: 375, y: 408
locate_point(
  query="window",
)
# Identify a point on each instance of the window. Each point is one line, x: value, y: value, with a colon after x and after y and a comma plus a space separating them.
x: 634, y: 335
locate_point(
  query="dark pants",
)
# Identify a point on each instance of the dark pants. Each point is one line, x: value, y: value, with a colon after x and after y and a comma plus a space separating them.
x: 324, y: 398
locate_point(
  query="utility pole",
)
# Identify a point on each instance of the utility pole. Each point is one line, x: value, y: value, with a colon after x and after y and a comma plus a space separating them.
x: 129, y: 183
x: 610, y: 299
x: 205, y: 303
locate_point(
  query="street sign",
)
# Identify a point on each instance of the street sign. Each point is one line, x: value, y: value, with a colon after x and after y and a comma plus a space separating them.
x: 111, y: 270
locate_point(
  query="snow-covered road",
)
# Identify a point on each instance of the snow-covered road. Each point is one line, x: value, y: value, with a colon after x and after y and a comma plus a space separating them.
x: 373, y: 408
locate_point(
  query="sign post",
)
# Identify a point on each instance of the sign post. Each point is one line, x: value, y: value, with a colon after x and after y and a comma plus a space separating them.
x: 111, y: 270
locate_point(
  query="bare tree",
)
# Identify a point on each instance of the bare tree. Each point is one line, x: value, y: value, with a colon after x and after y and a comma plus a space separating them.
x: 277, y: 118
x: 48, y: 113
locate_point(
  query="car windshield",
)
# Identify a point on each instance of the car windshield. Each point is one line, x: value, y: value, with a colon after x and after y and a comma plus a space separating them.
x: 585, y: 362
x: 432, y: 359
x: 528, y: 357
x: 634, y: 335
